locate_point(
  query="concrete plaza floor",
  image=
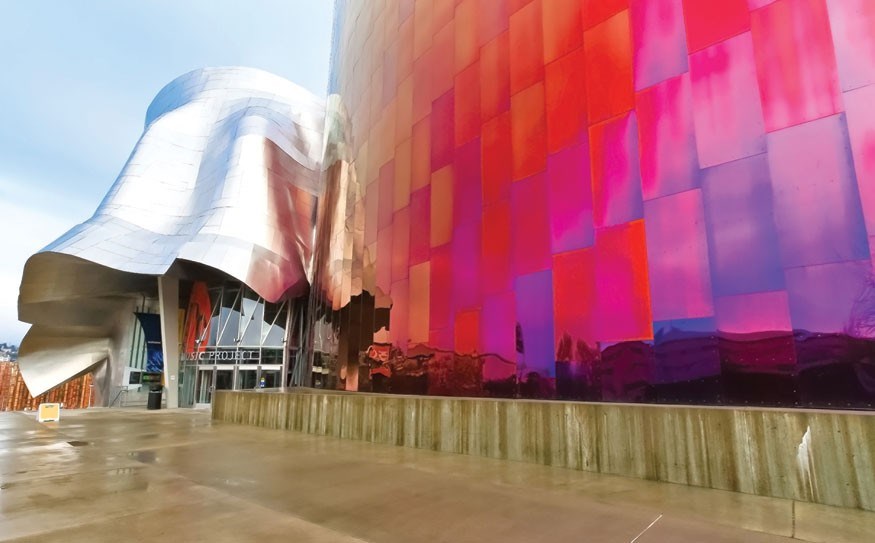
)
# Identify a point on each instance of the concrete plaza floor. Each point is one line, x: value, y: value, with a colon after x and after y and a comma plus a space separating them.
x: 133, y: 475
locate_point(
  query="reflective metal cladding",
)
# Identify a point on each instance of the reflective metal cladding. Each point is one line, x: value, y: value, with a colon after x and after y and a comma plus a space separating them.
x: 641, y: 201
x: 647, y: 200
x: 226, y: 174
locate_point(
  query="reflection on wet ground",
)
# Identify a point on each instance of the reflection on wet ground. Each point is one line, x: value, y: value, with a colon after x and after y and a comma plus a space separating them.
x: 176, y: 475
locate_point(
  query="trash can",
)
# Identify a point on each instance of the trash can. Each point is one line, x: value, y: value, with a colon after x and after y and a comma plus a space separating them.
x: 154, y: 398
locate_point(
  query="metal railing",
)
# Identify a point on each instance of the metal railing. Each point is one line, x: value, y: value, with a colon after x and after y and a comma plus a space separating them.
x: 126, y: 397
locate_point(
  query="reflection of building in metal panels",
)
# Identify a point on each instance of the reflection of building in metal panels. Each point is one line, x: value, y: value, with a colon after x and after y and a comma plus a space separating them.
x: 650, y: 201
x: 226, y: 175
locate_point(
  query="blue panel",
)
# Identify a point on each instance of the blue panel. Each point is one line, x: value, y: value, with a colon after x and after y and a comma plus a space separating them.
x: 151, y: 323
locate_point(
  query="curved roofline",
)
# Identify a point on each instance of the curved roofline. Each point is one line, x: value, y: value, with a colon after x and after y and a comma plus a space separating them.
x: 190, y: 85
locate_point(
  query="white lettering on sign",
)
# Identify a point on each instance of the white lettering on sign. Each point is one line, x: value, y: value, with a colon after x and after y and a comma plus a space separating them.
x: 223, y: 356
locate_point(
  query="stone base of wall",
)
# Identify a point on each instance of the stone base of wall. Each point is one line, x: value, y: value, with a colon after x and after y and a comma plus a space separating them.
x: 824, y: 457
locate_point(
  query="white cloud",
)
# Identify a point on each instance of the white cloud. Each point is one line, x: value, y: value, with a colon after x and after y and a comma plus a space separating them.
x: 32, y: 218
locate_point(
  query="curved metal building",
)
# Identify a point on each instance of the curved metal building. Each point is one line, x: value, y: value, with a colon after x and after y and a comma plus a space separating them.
x: 225, y: 178
x: 661, y: 201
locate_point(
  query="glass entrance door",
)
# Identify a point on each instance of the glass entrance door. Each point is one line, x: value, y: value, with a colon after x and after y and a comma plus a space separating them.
x: 225, y: 378
x: 271, y: 378
x: 186, y: 386
x: 247, y: 379
x: 204, y: 388
x: 209, y: 380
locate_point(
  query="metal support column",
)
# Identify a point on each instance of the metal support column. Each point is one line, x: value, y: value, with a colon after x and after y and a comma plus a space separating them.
x: 168, y: 301
x: 287, y: 342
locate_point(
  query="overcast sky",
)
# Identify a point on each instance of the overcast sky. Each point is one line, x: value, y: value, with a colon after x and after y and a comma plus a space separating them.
x: 75, y: 83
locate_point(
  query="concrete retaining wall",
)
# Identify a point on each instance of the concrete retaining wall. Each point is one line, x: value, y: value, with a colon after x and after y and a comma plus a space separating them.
x: 825, y: 457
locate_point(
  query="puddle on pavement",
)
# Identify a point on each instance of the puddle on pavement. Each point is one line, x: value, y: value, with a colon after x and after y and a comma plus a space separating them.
x: 147, y: 457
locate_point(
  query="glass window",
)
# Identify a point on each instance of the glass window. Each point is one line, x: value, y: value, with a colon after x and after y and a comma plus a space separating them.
x: 252, y: 322
x: 273, y: 330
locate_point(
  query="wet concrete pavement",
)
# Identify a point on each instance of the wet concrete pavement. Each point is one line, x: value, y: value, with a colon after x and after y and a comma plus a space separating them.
x: 132, y: 475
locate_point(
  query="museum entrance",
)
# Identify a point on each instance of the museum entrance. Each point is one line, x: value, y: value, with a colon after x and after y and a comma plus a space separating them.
x: 208, y: 379
x: 233, y: 340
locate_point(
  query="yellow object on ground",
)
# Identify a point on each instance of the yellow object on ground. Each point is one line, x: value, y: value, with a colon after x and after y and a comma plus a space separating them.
x: 49, y: 412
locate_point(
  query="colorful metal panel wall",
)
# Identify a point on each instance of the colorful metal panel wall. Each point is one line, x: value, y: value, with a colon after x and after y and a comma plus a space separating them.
x: 619, y: 200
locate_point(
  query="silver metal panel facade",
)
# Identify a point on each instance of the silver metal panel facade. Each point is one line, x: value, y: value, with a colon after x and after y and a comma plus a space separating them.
x: 227, y: 174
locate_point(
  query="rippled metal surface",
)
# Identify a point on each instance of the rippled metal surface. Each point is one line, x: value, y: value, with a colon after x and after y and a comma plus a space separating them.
x: 599, y: 200
x: 226, y: 174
